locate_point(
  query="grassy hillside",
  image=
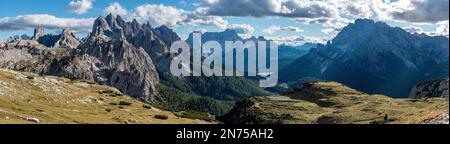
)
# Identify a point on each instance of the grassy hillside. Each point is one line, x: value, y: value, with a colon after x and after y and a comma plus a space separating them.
x: 28, y: 98
x: 334, y: 103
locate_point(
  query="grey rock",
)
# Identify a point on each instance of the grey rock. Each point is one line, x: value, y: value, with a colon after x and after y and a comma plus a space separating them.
x: 167, y: 35
x: 67, y: 40
x: 138, y: 35
x: 64, y: 40
x: 113, y: 62
x: 38, y: 33
x: 431, y: 88
x: 33, y: 119
x: 101, y: 27
x: 440, y: 119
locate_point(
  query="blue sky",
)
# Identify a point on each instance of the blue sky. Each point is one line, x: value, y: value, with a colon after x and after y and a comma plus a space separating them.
x: 287, y: 21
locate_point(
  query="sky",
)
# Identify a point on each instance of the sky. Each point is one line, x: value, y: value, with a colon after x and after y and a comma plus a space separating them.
x: 286, y: 21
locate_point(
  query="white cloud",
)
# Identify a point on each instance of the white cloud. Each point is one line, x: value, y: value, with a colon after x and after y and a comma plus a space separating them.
x: 23, y: 22
x: 80, y: 6
x: 292, y: 29
x: 261, y: 8
x: 416, y: 11
x: 274, y: 28
x: 357, y: 8
x: 414, y: 30
x: 116, y: 9
x: 196, y: 19
x: 297, y: 40
x: 441, y: 30
x: 242, y: 28
x: 158, y: 14
x: 171, y: 16
x: 308, y: 21
x: 332, y: 27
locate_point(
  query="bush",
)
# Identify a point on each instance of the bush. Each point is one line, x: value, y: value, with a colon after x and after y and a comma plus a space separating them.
x: 162, y: 117
x: 147, y: 106
x: 125, y: 103
x: 113, y: 103
x: 196, y: 115
x: 110, y: 92
x: 30, y: 77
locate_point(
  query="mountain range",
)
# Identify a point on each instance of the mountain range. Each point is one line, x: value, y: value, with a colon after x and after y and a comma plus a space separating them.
x: 374, y: 58
x: 134, y: 58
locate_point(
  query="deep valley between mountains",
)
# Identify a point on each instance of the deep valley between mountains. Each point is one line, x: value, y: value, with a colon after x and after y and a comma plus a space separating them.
x: 370, y: 73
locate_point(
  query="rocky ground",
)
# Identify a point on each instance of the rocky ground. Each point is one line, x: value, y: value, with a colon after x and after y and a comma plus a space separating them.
x: 441, y: 119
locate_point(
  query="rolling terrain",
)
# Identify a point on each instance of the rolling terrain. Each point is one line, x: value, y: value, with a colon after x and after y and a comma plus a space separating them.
x: 29, y: 98
x: 334, y: 103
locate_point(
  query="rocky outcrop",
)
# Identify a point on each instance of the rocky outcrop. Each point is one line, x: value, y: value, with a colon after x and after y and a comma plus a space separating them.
x: 64, y: 40
x: 139, y: 36
x: 167, y: 35
x: 440, y: 119
x: 431, y: 88
x: 112, y: 62
x: 38, y: 33
x: 67, y: 40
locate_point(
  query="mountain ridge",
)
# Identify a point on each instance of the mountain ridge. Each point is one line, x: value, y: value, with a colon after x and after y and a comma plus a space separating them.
x: 374, y: 57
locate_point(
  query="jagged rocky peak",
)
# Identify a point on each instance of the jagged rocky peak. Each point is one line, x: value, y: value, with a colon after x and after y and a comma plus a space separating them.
x: 67, y: 40
x: 38, y: 32
x: 374, y: 57
x: 167, y: 35
x: 431, y: 88
x: 153, y: 41
x: 227, y: 35
x: 64, y: 40
x: 100, y: 27
x: 100, y: 59
x: 112, y: 21
x: 259, y: 38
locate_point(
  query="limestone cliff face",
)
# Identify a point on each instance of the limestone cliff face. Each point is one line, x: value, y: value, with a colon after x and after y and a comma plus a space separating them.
x: 67, y: 40
x: 38, y: 33
x: 64, y: 40
x: 153, y: 41
x: 100, y: 59
x: 432, y: 88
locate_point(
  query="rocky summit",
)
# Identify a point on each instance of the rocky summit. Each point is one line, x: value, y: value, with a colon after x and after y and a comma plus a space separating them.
x: 375, y: 58
x: 64, y: 40
x: 153, y: 41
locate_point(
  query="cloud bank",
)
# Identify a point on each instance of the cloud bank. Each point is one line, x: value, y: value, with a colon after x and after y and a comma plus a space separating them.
x: 80, y: 6
x: 23, y: 22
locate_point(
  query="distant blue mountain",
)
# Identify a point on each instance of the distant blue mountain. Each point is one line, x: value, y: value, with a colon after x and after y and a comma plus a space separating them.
x: 375, y: 58
x: 287, y: 54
